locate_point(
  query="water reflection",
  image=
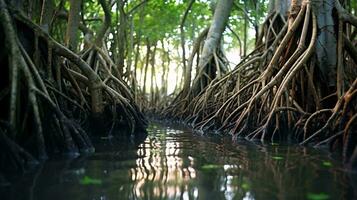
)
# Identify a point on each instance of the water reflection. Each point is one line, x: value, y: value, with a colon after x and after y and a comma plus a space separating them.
x: 176, y: 164
x: 161, y: 170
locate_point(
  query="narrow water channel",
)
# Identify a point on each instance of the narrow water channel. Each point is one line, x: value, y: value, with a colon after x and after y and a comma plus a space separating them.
x: 174, y: 163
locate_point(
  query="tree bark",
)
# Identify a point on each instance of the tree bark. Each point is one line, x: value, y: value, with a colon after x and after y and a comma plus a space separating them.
x: 245, y: 38
x: 106, y: 24
x: 279, y: 6
x: 122, y: 37
x: 146, y: 64
x: 212, y: 42
x: 71, y: 39
x: 195, y: 50
x: 48, y: 7
x: 327, y: 60
x: 153, y: 76
x: 130, y: 46
x: 183, y: 42
x: 214, y: 35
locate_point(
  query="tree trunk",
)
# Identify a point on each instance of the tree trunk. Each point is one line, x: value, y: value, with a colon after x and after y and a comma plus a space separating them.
x: 138, y: 41
x: 106, y: 24
x: 183, y: 43
x: 73, y: 24
x: 122, y: 37
x: 146, y: 65
x: 212, y: 43
x: 165, y: 70
x: 279, y: 6
x: 327, y: 39
x: 48, y: 7
x: 245, y: 38
x: 214, y: 35
x: 256, y: 21
x: 130, y: 47
x: 153, y: 76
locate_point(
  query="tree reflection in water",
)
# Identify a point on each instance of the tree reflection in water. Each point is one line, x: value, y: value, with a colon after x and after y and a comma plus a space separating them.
x: 173, y: 163
x: 162, y: 171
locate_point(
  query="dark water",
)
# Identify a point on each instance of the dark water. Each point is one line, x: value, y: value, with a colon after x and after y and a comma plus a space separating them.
x: 177, y: 164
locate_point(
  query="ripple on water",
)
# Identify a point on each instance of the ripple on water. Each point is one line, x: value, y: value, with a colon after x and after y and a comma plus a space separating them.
x: 174, y: 163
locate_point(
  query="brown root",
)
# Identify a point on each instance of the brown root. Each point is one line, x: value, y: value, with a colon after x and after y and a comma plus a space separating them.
x: 59, y: 91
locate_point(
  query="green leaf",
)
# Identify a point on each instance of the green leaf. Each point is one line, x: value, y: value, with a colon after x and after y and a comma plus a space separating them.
x: 245, y: 186
x: 90, y: 181
x: 277, y: 158
x: 320, y: 196
x: 327, y: 163
x: 210, y: 167
x: 275, y: 144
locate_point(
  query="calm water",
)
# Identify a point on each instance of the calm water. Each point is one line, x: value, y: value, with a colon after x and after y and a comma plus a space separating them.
x: 174, y: 163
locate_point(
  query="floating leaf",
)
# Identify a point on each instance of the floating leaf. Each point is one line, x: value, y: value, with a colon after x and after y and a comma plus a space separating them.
x: 320, y: 196
x: 326, y: 163
x: 245, y: 186
x: 278, y: 158
x: 210, y: 167
x: 90, y: 181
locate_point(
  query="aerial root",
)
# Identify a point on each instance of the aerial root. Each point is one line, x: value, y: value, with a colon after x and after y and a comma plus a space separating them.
x: 17, y: 157
x: 58, y: 91
x: 340, y: 109
x: 262, y: 96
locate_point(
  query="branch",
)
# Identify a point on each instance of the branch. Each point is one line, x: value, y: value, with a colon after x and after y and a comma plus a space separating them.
x: 245, y: 13
x: 106, y: 24
x: 64, y: 16
x: 136, y: 7
x: 345, y: 15
x: 350, y: 48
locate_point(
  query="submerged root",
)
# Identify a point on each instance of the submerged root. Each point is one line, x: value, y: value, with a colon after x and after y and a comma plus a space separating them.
x: 13, y: 157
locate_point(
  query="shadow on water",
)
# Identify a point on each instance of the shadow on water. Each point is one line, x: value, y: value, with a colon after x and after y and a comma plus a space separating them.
x: 174, y: 163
